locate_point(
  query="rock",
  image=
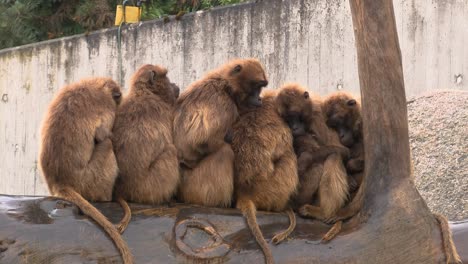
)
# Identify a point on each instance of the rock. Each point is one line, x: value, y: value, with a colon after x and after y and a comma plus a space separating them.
x: 438, y: 126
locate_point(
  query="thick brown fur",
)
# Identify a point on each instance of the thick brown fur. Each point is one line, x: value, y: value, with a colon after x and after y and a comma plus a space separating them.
x: 203, y: 121
x: 320, y: 160
x: 142, y: 138
x: 76, y: 156
x: 343, y: 114
x: 265, y: 166
x: 451, y: 254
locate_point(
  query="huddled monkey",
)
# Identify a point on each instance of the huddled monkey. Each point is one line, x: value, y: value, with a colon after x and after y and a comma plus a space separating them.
x: 142, y: 139
x: 203, y: 120
x: 320, y: 160
x: 343, y: 114
x: 76, y: 154
x: 265, y: 167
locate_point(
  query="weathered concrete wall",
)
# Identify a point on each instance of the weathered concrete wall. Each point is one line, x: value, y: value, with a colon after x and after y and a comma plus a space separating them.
x: 310, y: 42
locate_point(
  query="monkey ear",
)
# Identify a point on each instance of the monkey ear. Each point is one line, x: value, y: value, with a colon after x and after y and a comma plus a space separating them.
x: 152, y: 77
x: 351, y: 102
x: 237, y: 69
x: 306, y: 95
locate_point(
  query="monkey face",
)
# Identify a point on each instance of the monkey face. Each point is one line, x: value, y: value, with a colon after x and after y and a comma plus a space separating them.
x: 296, y: 124
x: 251, y: 78
x: 294, y: 106
x: 341, y: 113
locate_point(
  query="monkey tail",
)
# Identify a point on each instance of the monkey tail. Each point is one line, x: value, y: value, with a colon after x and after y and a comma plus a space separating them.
x: 450, y: 250
x: 278, y: 238
x: 335, y: 180
x: 89, y: 210
x: 249, y: 211
x: 122, y: 225
x: 334, y: 230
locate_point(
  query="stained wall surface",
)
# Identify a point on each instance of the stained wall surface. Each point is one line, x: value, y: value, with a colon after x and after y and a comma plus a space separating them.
x: 310, y: 42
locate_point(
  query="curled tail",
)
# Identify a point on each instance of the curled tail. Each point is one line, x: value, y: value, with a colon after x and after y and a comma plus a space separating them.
x: 89, y: 210
x: 278, y: 238
x: 450, y: 250
x: 249, y: 211
x: 122, y: 225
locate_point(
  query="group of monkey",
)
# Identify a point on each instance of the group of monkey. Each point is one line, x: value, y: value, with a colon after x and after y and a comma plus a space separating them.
x: 222, y: 142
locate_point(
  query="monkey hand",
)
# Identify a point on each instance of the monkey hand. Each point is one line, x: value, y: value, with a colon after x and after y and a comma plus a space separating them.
x: 355, y: 165
x: 101, y: 133
x: 343, y: 152
x: 353, y: 185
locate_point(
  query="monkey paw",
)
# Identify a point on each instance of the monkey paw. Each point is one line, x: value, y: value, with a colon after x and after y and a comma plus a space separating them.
x: 353, y: 185
x: 304, y: 211
x: 355, y: 165
x: 101, y: 134
x: 330, y: 220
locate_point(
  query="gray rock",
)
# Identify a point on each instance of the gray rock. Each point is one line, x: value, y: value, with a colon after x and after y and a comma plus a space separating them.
x: 438, y: 128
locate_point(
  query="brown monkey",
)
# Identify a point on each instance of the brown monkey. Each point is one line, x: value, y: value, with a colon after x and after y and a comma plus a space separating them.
x: 320, y: 161
x: 76, y: 156
x: 343, y: 114
x: 203, y: 120
x: 265, y: 167
x: 142, y: 139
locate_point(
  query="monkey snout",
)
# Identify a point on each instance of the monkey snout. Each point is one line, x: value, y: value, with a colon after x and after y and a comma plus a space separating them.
x: 263, y: 83
x: 259, y: 102
x: 176, y: 90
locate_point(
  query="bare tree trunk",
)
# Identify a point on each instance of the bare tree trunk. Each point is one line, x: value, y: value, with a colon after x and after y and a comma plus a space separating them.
x: 405, y: 230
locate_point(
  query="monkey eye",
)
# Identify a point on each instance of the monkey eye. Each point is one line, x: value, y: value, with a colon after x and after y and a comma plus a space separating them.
x: 237, y: 69
x: 116, y: 95
x: 306, y: 95
x: 351, y: 102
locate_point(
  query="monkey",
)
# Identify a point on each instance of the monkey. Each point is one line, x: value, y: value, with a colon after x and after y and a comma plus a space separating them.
x: 142, y: 140
x: 76, y: 154
x: 204, y: 116
x: 310, y: 158
x: 343, y: 114
x: 303, y: 113
x: 265, y: 167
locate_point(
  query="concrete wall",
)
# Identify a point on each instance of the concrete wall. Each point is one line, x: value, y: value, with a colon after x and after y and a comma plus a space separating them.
x: 310, y: 42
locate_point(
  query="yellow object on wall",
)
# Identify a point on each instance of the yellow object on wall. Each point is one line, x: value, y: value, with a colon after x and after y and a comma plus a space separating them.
x: 132, y: 14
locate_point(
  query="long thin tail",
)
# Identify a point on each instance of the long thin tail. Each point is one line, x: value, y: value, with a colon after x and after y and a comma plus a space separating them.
x: 89, y: 210
x: 334, y: 230
x: 249, y: 211
x: 122, y: 225
x: 334, y: 189
x: 278, y: 238
x: 450, y: 250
